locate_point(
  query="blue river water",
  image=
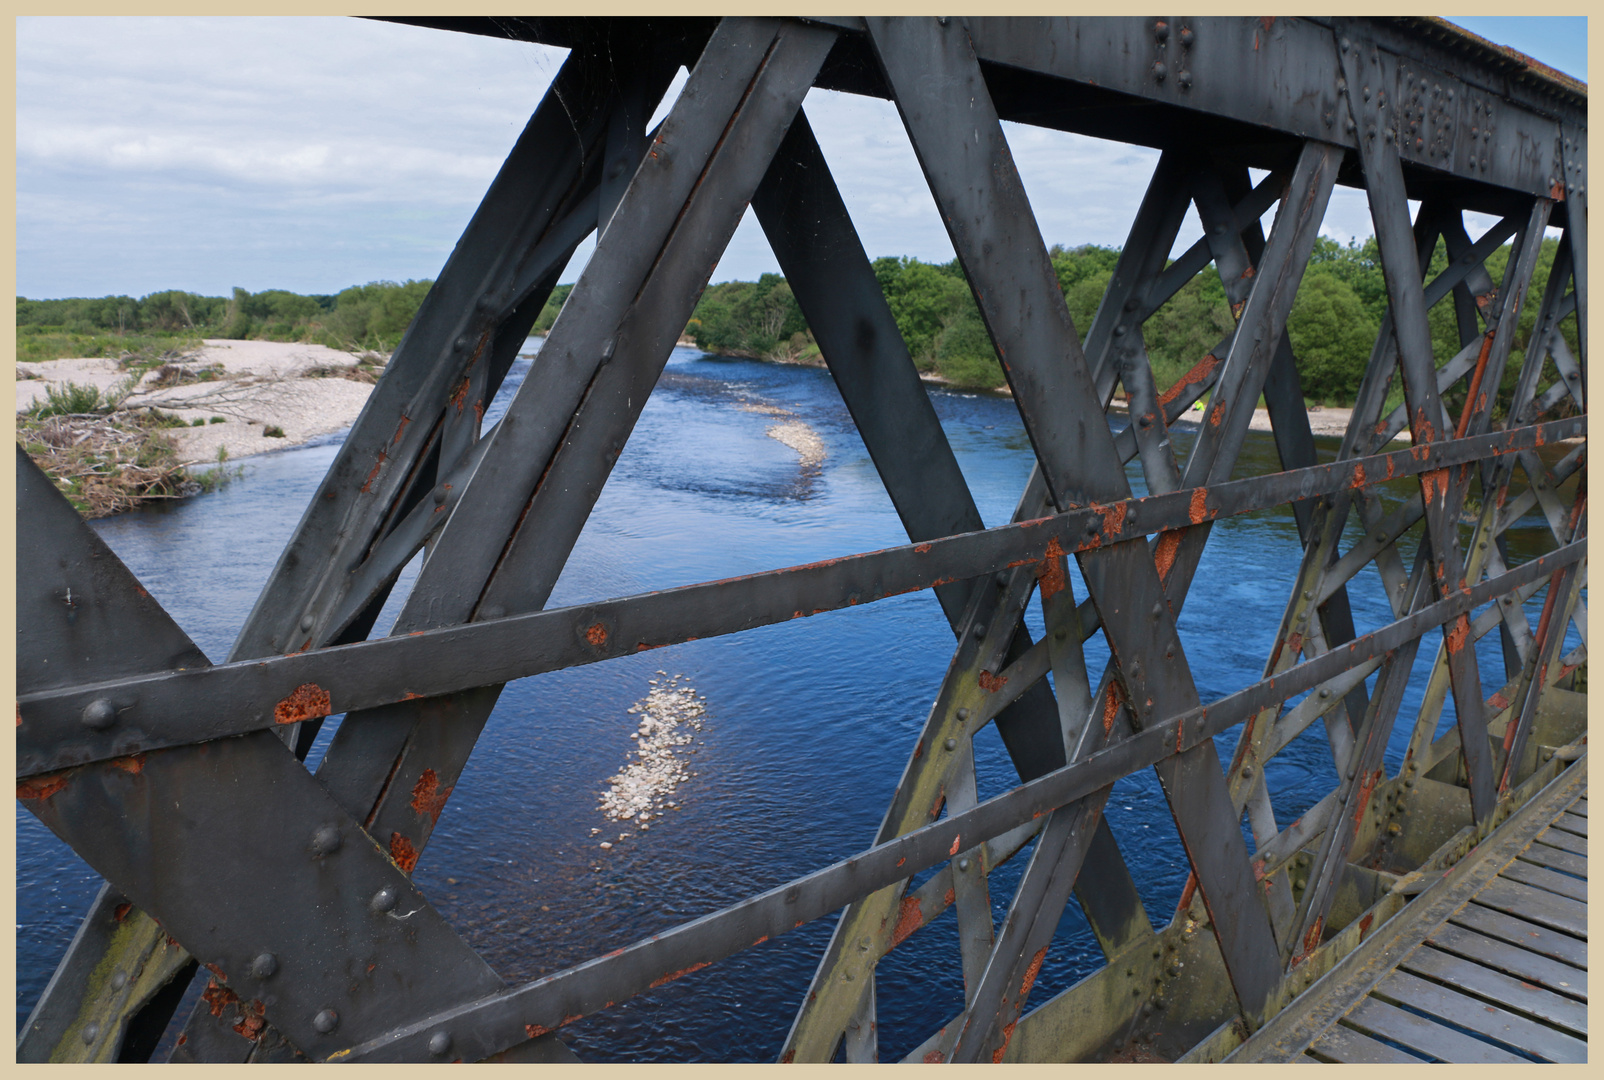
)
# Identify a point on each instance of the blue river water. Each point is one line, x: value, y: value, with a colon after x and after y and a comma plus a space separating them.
x: 808, y: 723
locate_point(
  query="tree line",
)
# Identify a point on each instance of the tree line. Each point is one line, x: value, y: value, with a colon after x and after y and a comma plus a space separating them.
x: 1333, y: 324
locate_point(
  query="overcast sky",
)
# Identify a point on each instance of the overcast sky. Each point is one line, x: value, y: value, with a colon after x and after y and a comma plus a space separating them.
x: 315, y: 153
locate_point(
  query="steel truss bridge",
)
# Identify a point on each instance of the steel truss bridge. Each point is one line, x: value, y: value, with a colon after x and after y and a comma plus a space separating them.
x: 226, y: 860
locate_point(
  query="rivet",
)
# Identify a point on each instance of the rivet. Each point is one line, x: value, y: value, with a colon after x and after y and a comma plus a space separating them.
x: 439, y: 495
x: 1119, y: 331
x: 306, y: 621
x: 462, y: 344
x: 385, y: 899
x: 1161, y: 31
x: 1344, y: 44
x: 951, y: 744
x: 1342, y: 86
x: 326, y: 1021
x: 1325, y: 692
x: 963, y: 714
x: 264, y: 966
x: 1130, y: 305
x: 1130, y: 511
x: 1187, y: 37
x: 1001, y: 579
x: 100, y: 714
x: 846, y: 976
x: 1367, y: 93
x: 440, y: 1043
x: 1158, y: 609
x: 942, y: 20
x: 483, y: 303
x: 1159, y: 71
x: 1091, y: 528
x: 1184, y: 79
x: 119, y: 979
x: 90, y: 1033
x: 1307, y: 595
x: 1381, y: 538
x: 1060, y: 634
x: 963, y: 866
x: 980, y: 630
x: 1247, y: 772
x: 326, y: 841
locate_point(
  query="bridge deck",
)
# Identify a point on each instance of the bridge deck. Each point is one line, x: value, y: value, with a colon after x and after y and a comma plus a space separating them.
x: 1487, y: 964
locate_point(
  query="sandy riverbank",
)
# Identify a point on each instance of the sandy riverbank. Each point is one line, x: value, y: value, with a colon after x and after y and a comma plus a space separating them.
x: 239, y: 390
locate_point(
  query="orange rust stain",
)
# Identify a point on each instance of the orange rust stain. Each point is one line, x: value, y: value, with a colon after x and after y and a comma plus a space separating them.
x: 1420, y: 452
x: 921, y: 548
x: 121, y: 911
x: 460, y: 395
x: 1050, y: 575
x: 991, y: 683
x: 1217, y: 415
x: 1364, y: 923
x: 1188, y: 892
x: 759, y: 941
x: 250, y: 1026
x: 1392, y: 465
x: 535, y: 1031
x: 1197, y: 510
x: 901, y: 861
x: 1180, y: 733
x: 428, y: 797
x: 479, y: 411
x: 1363, y: 801
x: 405, y: 420
x: 1434, y: 483
x: 1247, y: 273
x: 218, y: 997
x: 909, y: 919
x: 410, y: 696
x: 306, y: 702
x: 403, y: 853
x: 1457, y: 636
x: 1031, y: 973
x: 933, y: 1058
x: 596, y: 634
x: 41, y: 787
x: 1200, y: 371
x: 670, y: 977
x: 1113, y: 518
x: 1557, y: 192
x: 1111, y: 705
x: 1358, y: 477
x: 1169, y: 544
x: 1008, y: 1033
x: 1266, y: 21
x: 1498, y: 702
x: 133, y: 765
x: 1312, y: 938
x: 172, y: 942
x: 954, y: 849
x: 374, y: 474
x: 949, y: 898
x: 215, y: 970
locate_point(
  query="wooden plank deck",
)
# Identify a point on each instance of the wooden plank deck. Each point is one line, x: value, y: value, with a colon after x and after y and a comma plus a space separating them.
x: 1493, y: 971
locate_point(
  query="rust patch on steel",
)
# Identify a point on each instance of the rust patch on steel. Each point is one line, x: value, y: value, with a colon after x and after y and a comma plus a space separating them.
x: 1113, y: 518
x: 1217, y: 415
x: 596, y: 634
x: 991, y: 683
x: 954, y: 849
x: 121, y: 911
x: 1364, y: 924
x: 670, y: 977
x: 306, y: 702
x: 428, y: 797
x: 1457, y: 636
x: 374, y: 474
x: 947, y: 900
x: 459, y: 397
x: 41, y: 787
x: 1557, y: 192
x: 405, y: 420
x: 215, y: 970
x: 1200, y: 371
x: 218, y: 998
x: 1196, y: 509
x: 1266, y: 21
x: 921, y: 548
x: 1050, y: 574
x: 1030, y: 975
x: 933, y: 1058
x: 252, y: 1021
x: 1164, y: 555
x: 535, y: 1031
x: 909, y: 919
x: 1432, y: 483
x: 1312, y: 938
x: 1498, y: 701
x: 1111, y: 703
x: 133, y: 765
x: 1363, y: 801
x: 1358, y: 477
x: 403, y: 853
